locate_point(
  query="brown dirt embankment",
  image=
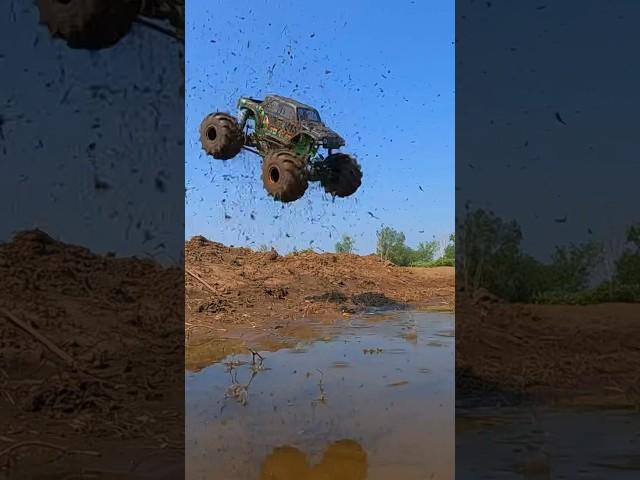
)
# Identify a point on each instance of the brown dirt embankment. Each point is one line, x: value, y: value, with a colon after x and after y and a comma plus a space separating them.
x: 584, y: 355
x: 91, y: 362
x: 227, y: 286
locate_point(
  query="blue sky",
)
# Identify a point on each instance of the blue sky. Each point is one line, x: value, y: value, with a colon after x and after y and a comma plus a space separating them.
x: 114, y: 116
x: 382, y: 76
x: 514, y: 156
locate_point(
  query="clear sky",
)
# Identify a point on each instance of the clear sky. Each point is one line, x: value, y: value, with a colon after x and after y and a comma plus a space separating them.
x: 73, y: 119
x: 514, y: 156
x: 381, y: 75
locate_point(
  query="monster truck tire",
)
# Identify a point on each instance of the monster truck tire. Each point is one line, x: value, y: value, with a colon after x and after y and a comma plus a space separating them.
x: 284, y: 175
x: 89, y: 24
x: 343, y: 175
x: 220, y: 136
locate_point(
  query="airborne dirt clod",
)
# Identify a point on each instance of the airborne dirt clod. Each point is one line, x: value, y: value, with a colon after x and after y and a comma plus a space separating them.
x: 264, y: 289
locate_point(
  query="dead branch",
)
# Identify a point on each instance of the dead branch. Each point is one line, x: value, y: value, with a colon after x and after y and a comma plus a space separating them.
x: 65, y: 357
x: 57, y: 351
x: 37, y: 443
x: 255, y: 354
x: 197, y: 277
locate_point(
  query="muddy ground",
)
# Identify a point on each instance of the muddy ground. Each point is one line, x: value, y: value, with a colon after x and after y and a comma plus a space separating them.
x: 586, y: 356
x: 92, y: 347
x: 229, y: 289
x: 91, y: 363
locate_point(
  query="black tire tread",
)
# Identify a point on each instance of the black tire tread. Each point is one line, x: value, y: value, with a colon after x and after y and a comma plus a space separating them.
x: 344, y: 175
x: 293, y: 175
x: 229, y: 138
x: 89, y: 24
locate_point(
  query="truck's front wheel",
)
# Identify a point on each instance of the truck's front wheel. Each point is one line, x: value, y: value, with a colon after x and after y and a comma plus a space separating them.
x: 89, y: 24
x: 342, y: 175
x: 221, y: 136
x: 284, y: 175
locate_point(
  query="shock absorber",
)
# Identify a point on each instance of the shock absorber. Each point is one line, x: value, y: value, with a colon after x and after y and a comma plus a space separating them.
x: 242, y: 118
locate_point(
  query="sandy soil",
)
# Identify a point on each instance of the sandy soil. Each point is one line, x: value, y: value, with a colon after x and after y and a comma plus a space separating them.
x: 228, y: 288
x: 92, y: 347
x: 560, y: 354
x: 580, y: 355
x: 91, y: 363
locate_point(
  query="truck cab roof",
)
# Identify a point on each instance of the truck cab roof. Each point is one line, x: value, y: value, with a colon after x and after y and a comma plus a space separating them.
x: 287, y: 100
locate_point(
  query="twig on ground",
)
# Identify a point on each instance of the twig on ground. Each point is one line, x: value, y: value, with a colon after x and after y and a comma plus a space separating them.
x: 53, y: 348
x: 255, y: 354
x: 8, y: 397
x: 38, y: 336
x: 37, y: 443
x: 197, y: 277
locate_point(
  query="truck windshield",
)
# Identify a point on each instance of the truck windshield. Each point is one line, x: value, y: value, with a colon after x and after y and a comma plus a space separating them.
x: 308, y: 114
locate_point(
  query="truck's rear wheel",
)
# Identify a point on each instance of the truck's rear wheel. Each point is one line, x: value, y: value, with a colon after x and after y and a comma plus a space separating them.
x: 284, y: 175
x: 220, y: 136
x: 342, y: 175
x: 89, y: 24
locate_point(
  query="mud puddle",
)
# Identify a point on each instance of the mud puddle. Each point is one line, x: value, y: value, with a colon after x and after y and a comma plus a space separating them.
x: 371, y: 399
x: 533, y: 443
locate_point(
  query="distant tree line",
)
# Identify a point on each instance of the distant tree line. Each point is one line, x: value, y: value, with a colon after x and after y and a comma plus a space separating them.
x: 391, y: 247
x: 489, y: 256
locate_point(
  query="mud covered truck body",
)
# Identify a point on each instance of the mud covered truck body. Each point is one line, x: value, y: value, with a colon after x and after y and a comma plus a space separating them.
x: 288, y: 135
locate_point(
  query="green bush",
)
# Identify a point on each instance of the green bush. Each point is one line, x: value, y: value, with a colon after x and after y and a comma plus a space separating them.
x: 391, y: 246
x: 295, y: 251
x: 490, y: 257
x: 443, y: 262
x: 345, y: 245
x: 604, y: 293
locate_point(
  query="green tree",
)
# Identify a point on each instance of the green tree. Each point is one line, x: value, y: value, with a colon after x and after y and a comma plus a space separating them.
x: 449, y: 253
x: 391, y: 247
x: 571, y: 266
x: 447, y: 259
x: 490, y: 256
x: 489, y: 253
x: 627, y: 267
x: 345, y: 245
x: 426, y: 252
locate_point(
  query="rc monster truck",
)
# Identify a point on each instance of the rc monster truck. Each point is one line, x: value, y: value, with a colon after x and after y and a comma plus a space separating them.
x: 287, y: 135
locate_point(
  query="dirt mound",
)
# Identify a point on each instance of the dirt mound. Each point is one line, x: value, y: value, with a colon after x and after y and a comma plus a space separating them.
x: 88, y: 344
x: 375, y: 300
x: 548, y: 351
x: 262, y: 288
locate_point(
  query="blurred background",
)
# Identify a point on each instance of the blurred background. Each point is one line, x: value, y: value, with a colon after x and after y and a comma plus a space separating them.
x: 91, y: 142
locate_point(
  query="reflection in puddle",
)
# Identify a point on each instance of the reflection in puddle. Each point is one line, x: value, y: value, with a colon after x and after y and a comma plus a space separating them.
x: 547, y: 443
x: 342, y: 460
x: 325, y: 410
